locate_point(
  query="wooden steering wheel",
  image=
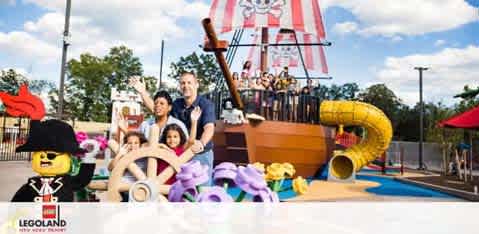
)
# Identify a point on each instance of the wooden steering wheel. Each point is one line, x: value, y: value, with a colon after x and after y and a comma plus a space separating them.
x: 149, y: 186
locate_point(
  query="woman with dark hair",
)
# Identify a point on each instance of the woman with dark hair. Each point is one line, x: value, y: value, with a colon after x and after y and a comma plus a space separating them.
x: 161, y: 110
x: 161, y: 106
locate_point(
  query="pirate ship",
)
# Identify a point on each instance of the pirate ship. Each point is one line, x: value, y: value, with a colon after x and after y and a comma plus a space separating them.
x: 303, y: 130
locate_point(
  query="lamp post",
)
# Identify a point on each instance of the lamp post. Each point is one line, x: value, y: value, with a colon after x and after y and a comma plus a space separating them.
x: 66, y: 43
x: 161, y: 63
x: 421, y: 118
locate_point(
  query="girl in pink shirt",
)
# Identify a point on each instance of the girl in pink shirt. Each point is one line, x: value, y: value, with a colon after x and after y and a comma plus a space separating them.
x: 175, y: 139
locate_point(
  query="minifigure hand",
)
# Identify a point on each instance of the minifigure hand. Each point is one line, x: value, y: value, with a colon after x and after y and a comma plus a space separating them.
x: 90, y: 155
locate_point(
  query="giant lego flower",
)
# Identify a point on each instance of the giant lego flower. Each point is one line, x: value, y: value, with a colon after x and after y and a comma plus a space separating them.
x: 250, y: 180
x: 214, y: 194
x: 266, y: 195
x: 225, y: 173
x: 289, y: 170
x: 192, y: 174
x: 275, y: 171
x: 300, y: 186
x: 177, y: 192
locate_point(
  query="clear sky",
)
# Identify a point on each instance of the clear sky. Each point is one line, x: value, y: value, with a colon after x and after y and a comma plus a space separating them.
x: 374, y: 41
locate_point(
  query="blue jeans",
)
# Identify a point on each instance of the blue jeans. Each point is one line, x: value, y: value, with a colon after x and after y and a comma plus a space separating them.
x: 206, y: 158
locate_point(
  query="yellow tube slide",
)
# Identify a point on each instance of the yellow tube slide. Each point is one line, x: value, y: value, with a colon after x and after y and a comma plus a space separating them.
x: 378, y: 134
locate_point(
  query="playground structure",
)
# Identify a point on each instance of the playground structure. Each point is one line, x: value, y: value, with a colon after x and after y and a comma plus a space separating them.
x: 277, y: 137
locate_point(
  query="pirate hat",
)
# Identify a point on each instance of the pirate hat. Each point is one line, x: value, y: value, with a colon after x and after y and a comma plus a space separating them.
x: 51, y: 135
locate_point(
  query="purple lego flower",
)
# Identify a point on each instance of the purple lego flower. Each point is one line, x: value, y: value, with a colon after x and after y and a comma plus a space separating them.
x: 225, y: 173
x: 250, y: 180
x: 266, y: 195
x: 214, y: 194
x: 192, y: 174
x: 177, y: 191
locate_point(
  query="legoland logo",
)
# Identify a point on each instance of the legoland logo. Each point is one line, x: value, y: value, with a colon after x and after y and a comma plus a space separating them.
x: 50, y: 221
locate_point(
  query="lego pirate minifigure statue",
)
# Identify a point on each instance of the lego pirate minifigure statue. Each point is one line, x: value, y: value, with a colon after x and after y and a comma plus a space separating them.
x: 52, y: 143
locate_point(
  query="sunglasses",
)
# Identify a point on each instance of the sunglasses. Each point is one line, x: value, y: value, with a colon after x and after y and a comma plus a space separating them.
x: 50, y: 155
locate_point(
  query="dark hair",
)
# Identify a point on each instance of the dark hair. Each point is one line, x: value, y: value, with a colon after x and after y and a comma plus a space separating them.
x: 163, y: 94
x: 173, y: 127
x: 140, y: 136
x: 236, y: 75
x: 305, y: 90
x: 247, y: 65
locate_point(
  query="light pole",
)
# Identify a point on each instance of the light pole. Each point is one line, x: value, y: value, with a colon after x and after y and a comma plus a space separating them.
x: 66, y: 43
x: 421, y: 117
x: 161, y: 62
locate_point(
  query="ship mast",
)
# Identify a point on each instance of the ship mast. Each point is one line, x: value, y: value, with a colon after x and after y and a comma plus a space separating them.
x: 264, y: 50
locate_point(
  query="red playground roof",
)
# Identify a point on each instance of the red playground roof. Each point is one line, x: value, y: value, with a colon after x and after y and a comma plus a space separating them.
x: 468, y: 119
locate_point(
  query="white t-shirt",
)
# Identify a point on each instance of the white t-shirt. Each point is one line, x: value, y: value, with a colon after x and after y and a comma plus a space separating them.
x: 146, y: 126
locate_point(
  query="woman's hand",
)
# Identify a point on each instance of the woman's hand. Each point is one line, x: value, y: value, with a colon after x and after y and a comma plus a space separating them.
x: 195, y: 114
x: 137, y: 83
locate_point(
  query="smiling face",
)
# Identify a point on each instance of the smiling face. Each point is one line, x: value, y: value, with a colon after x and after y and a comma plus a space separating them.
x: 133, y: 142
x: 50, y: 163
x: 161, y: 107
x: 173, y: 139
x: 189, y: 85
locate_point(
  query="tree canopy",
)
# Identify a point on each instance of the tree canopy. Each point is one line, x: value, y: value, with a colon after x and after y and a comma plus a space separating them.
x: 203, y: 66
x: 90, y: 79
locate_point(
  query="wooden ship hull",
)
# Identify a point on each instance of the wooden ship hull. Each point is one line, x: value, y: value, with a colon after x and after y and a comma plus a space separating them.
x: 308, y: 147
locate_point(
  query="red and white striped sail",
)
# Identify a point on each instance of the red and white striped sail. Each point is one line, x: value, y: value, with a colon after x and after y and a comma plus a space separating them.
x: 280, y: 56
x: 298, y: 15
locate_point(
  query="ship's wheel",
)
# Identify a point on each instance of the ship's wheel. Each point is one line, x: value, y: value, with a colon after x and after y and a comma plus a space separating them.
x: 148, y: 186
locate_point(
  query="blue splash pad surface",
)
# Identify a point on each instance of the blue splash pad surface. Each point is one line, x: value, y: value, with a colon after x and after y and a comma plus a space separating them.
x: 391, y: 187
x: 387, y: 187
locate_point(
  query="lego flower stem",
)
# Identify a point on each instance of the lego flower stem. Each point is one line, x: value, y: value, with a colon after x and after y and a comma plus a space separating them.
x: 241, y: 196
x: 225, y: 186
x: 188, y: 197
x: 280, y: 184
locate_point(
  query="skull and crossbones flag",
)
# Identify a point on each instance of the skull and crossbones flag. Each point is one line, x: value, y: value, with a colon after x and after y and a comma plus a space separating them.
x: 280, y: 56
x: 298, y: 15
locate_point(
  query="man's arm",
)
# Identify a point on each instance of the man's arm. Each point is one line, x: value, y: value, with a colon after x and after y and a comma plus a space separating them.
x: 208, y: 132
x: 140, y: 87
x: 209, y: 123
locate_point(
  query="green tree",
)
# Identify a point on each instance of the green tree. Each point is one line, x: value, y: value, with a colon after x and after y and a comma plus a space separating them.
x: 383, y: 98
x: 346, y: 91
x: 10, y: 81
x: 204, y: 66
x: 468, y: 99
x: 88, y: 88
x: 124, y: 64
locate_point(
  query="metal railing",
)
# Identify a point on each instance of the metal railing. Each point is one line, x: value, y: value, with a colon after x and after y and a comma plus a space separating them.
x: 277, y: 106
x: 11, y: 136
